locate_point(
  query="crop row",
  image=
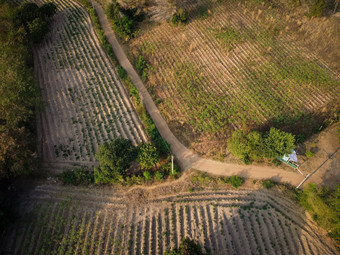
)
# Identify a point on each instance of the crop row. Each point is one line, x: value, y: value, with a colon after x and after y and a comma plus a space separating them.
x: 86, y: 102
x: 253, y: 223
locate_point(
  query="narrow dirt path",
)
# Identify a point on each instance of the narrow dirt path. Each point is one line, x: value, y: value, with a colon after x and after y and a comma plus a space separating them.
x: 185, y: 157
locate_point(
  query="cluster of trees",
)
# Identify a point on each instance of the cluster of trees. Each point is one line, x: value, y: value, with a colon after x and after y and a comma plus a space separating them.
x: 256, y: 145
x: 124, y: 20
x: 33, y: 19
x: 19, y: 94
x: 324, y: 205
x: 116, y: 156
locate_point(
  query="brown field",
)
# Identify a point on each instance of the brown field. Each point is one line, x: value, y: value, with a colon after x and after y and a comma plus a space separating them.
x: 86, y: 104
x: 233, y: 66
x: 73, y: 220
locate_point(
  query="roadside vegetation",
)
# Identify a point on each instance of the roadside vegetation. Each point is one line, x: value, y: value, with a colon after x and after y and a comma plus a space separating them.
x: 256, y: 146
x: 324, y: 206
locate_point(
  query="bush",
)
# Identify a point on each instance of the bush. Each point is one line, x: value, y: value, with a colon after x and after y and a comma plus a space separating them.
x: 147, y: 156
x: 268, y: 184
x: 324, y: 207
x: 181, y: 16
x: 77, y: 176
x: 124, y: 21
x: 235, y: 181
x: 48, y: 9
x: 37, y: 30
x: 141, y: 65
x: 278, y: 143
x: 162, y: 146
x: 121, y: 72
x: 147, y: 175
x: 316, y: 8
x: 309, y: 154
x: 187, y: 247
x: 166, y: 168
x: 114, y: 157
x: 159, y: 176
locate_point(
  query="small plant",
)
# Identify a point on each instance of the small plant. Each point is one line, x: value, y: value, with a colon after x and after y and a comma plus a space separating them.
x: 121, y: 72
x: 147, y: 175
x: 147, y: 156
x: 181, y: 16
x: 191, y: 189
x: 77, y: 176
x: 309, y: 154
x: 268, y: 184
x: 235, y: 181
x: 159, y: 176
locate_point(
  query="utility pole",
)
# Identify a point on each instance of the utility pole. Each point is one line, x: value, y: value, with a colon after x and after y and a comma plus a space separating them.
x: 172, y: 164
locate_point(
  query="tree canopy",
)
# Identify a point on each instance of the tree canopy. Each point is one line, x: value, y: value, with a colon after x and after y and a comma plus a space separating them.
x: 114, y: 157
x: 255, y: 146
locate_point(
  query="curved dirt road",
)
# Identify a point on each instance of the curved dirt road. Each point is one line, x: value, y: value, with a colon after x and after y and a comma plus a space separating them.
x: 185, y: 157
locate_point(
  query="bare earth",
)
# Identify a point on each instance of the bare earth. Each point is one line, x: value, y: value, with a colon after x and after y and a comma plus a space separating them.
x: 151, y: 220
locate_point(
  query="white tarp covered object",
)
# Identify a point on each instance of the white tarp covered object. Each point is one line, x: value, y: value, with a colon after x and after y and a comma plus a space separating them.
x: 293, y: 156
x: 290, y: 157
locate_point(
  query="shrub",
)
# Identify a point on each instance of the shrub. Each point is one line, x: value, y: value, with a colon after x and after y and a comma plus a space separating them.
x: 162, y: 146
x: 159, y: 176
x: 77, y: 176
x: 278, y: 143
x: 180, y: 16
x: 316, y: 8
x: 147, y: 156
x: 121, y: 72
x: 235, y: 181
x: 191, y: 189
x: 324, y: 207
x: 187, y: 247
x: 166, y: 168
x: 114, y: 157
x: 268, y: 184
x: 141, y: 66
x: 37, y: 30
x: 147, y: 175
x: 309, y: 154
x: 48, y: 9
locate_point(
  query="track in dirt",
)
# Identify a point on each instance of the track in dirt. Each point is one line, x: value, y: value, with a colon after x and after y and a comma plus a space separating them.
x: 69, y: 220
x: 86, y: 102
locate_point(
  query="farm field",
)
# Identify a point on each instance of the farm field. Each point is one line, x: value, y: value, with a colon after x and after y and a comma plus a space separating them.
x: 233, y: 66
x: 74, y: 220
x: 86, y: 104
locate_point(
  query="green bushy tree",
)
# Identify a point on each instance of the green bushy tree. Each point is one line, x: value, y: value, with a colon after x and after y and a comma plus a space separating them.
x: 147, y: 156
x: 114, y: 157
x: 278, y: 143
x: 187, y: 247
x: 37, y: 30
x: 48, y: 9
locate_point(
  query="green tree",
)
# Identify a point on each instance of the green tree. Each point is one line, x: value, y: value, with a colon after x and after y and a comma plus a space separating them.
x: 147, y: 156
x: 37, y: 30
x: 114, y: 157
x: 48, y: 9
x: 187, y: 247
x: 238, y: 144
x: 27, y: 12
x: 278, y: 143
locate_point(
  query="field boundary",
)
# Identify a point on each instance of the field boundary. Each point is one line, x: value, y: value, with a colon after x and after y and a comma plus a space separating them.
x: 185, y: 157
